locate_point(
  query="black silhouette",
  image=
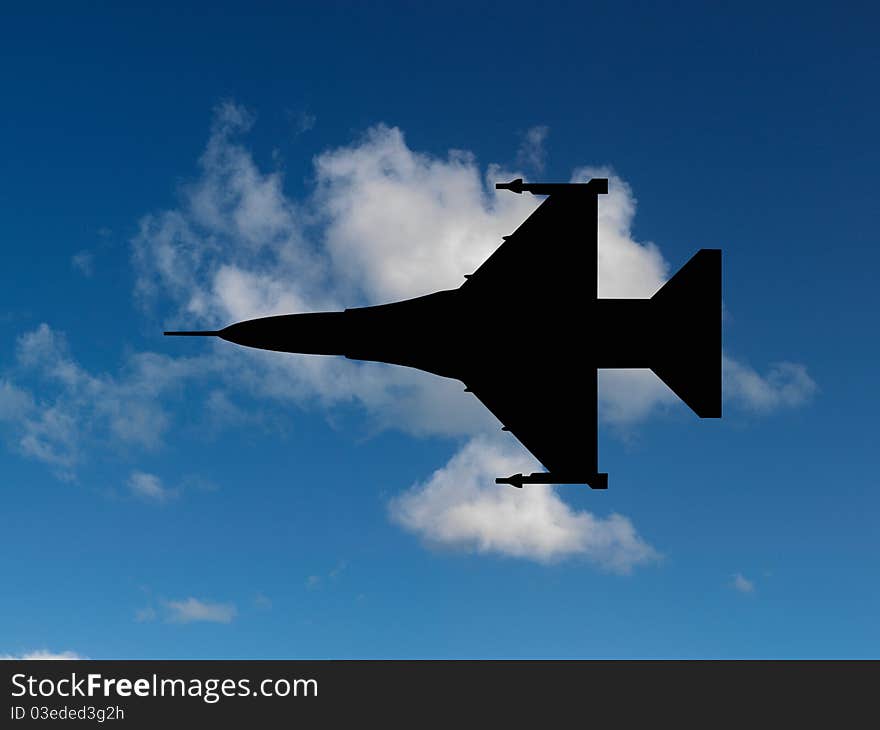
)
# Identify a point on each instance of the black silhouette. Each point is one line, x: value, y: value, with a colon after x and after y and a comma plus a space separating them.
x: 527, y: 332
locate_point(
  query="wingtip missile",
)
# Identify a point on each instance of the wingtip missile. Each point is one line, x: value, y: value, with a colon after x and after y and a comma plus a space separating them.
x: 514, y: 185
x: 596, y: 481
x: 596, y: 186
x: 516, y: 480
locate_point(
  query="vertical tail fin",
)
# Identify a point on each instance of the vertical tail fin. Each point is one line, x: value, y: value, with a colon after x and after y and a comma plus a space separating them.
x: 688, y: 309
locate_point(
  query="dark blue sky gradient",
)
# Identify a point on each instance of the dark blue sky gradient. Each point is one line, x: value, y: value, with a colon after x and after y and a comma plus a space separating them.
x: 745, y: 127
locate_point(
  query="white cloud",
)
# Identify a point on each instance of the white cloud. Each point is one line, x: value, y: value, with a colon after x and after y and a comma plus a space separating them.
x: 42, y: 654
x: 460, y: 506
x: 149, y: 487
x: 385, y: 223
x: 191, y: 610
x: 400, y: 224
x: 742, y: 584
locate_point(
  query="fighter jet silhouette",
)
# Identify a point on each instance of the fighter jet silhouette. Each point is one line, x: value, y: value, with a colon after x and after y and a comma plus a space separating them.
x: 526, y: 333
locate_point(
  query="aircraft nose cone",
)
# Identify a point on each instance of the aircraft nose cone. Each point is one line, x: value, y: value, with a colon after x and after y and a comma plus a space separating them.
x: 238, y: 333
x: 253, y: 333
x: 322, y: 333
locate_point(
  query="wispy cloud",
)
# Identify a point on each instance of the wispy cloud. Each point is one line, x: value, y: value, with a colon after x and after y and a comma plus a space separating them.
x: 531, y: 151
x: 742, y: 584
x: 54, y: 408
x: 303, y: 121
x: 42, y: 654
x: 785, y: 385
x: 84, y: 262
x: 192, y: 610
x: 15, y: 403
x: 149, y: 487
x: 628, y: 397
x: 145, y: 615
x: 316, y: 581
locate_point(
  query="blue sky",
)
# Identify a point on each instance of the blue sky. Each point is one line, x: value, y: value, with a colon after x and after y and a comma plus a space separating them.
x: 170, y: 166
